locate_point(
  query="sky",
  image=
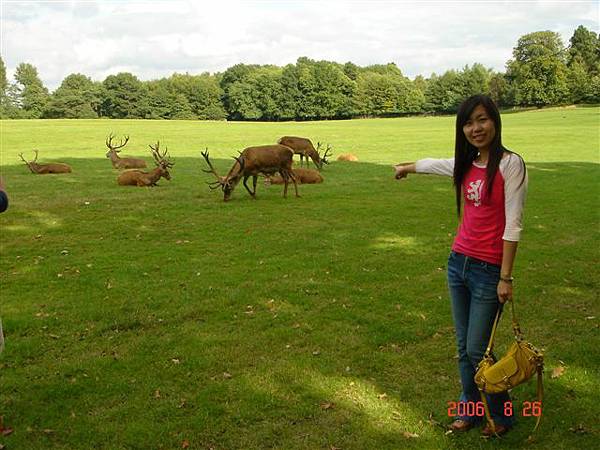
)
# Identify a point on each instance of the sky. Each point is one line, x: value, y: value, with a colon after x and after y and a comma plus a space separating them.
x: 154, y: 39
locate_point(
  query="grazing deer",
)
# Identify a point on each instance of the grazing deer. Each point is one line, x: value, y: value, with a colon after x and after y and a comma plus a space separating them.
x: 117, y: 161
x: 136, y: 177
x: 262, y: 159
x: 303, y: 176
x: 41, y: 169
x: 347, y: 157
x: 304, y: 148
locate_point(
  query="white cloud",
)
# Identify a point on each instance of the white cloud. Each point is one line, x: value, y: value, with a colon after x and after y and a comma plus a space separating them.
x: 156, y: 38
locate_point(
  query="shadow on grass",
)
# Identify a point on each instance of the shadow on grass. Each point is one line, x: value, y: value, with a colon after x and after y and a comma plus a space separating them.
x: 328, y: 313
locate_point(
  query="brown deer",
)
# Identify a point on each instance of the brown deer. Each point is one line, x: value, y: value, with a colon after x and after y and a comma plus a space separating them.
x: 262, y: 159
x: 303, y: 176
x: 136, y: 177
x: 42, y: 169
x: 305, y: 148
x: 347, y: 157
x: 117, y: 161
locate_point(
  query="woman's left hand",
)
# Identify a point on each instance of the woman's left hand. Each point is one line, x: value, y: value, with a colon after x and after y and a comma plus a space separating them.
x: 505, y: 291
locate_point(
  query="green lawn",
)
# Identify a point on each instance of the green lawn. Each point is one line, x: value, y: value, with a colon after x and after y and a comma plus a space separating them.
x: 156, y: 318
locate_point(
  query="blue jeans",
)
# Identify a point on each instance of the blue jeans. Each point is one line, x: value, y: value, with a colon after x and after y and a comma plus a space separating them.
x: 473, y: 285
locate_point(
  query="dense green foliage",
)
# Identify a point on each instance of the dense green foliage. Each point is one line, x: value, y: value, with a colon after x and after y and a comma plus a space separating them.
x: 78, y: 97
x: 148, y: 318
x: 542, y: 72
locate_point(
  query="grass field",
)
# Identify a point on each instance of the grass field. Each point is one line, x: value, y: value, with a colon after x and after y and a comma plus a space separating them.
x: 165, y: 318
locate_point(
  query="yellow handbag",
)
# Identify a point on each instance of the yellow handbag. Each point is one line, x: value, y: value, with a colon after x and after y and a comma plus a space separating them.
x: 521, y: 362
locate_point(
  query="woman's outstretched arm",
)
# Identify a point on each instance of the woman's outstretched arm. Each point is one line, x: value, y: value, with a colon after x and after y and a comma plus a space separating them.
x: 444, y: 167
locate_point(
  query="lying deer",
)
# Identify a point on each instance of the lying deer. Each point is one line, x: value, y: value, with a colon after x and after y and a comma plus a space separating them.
x: 303, y: 176
x: 304, y: 148
x: 41, y: 169
x: 136, y: 177
x: 347, y: 157
x: 263, y: 159
x: 117, y: 161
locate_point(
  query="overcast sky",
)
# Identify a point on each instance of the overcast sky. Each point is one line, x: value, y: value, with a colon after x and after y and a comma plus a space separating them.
x: 152, y: 39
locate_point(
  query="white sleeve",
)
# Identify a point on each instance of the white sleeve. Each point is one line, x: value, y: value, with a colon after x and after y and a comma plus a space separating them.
x: 514, y: 173
x: 443, y: 167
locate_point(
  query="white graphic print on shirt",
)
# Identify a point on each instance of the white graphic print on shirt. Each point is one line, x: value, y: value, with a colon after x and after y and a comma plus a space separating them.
x: 474, y: 192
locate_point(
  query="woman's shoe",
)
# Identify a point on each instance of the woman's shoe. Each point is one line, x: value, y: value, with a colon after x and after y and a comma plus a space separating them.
x: 460, y: 425
x: 500, y: 430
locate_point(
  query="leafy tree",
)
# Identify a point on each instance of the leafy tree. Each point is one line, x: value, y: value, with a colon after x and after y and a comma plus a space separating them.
x: 181, y: 108
x: 203, y: 93
x: 420, y: 83
x: 78, y: 97
x: 324, y: 90
x: 584, y: 48
x: 30, y: 94
x: 258, y: 95
x: 7, y: 110
x: 538, y: 71
x: 498, y: 89
x: 579, y: 80
x: 290, y: 93
x: 388, y: 93
x: 237, y: 73
x: 165, y: 101
x: 351, y: 70
x: 160, y: 99
x: 3, y: 79
x: 375, y: 94
x: 384, y: 69
x: 593, y: 95
x: 475, y: 80
x: 124, y: 97
x: 444, y: 93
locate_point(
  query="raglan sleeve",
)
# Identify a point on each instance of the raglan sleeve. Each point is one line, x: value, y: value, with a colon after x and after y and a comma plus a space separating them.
x: 515, y: 191
x: 444, y: 167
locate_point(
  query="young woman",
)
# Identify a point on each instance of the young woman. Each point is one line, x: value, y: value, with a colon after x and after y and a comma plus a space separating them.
x: 490, y: 183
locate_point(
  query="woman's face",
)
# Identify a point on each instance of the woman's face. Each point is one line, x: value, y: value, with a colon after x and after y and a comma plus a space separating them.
x: 480, y: 129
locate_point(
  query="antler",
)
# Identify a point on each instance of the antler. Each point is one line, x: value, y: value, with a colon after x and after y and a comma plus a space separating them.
x: 161, y: 159
x: 36, y: 156
x: 28, y: 163
x: 115, y: 147
x: 214, y: 184
x: 327, y: 154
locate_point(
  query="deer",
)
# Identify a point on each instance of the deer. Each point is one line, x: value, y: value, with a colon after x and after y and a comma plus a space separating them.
x: 304, y: 148
x: 42, y: 169
x: 117, y: 161
x: 303, y: 176
x: 252, y: 161
x: 347, y: 157
x: 136, y: 177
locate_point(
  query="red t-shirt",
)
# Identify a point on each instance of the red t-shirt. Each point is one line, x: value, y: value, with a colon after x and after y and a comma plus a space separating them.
x: 482, y: 227
x: 486, y: 222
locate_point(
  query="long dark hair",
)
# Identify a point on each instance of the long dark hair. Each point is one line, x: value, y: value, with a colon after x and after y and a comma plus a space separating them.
x: 465, y: 153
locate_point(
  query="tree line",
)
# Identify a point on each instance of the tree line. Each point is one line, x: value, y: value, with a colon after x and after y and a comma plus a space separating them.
x: 541, y: 72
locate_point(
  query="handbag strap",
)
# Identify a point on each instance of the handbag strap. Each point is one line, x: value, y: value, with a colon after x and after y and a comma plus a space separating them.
x: 515, y: 325
x: 488, y: 350
x: 540, y: 394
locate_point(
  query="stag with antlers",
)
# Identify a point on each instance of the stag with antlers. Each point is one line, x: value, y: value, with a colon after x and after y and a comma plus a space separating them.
x: 42, y: 169
x: 116, y: 160
x: 304, y: 148
x: 136, y: 177
x: 263, y: 159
